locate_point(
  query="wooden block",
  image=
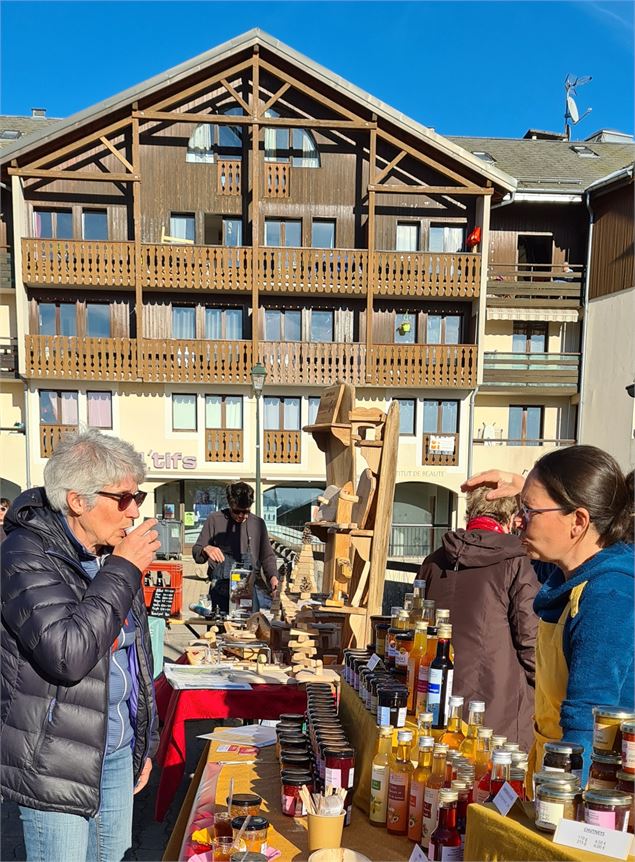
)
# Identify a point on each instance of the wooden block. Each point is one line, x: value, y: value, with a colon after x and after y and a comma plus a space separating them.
x: 307, y: 644
x: 334, y: 603
x: 296, y: 632
x: 302, y: 653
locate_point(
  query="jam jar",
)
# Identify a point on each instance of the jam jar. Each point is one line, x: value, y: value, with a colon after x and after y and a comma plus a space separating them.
x: 561, y: 779
x: 292, y: 804
x: 607, y: 733
x: 603, y: 771
x: 563, y: 757
x: 628, y: 746
x: 255, y: 835
x: 626, y: 783
x: 380, y: 638
x: 339, y: 772
x: 392, y: 704
x: 244, y: 804
x: 553, y: 803
x: 609, y: 809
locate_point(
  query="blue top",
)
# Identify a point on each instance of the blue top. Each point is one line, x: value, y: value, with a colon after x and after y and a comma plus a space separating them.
x: 598, y: 642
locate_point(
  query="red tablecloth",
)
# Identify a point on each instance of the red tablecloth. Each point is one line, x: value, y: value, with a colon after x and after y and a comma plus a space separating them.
x: 177, y: 707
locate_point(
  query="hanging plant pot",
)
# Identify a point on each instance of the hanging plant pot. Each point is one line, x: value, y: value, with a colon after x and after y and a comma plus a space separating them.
x: 404, y: 328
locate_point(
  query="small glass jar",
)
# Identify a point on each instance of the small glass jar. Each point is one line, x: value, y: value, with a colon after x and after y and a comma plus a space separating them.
x: 607, y: 733
x: 339, y: 772
x: 222, y: 848
x: 553, y: 803
x: 628, y: 746
x: 293, y: 718
x: 375, y: 684
x: 563, y: 757
x: 244, y: 804
x: 626, y: 784
x: 561, y: 779
x: 392, y: 705
x: 403, y: 646
x: 297, y: 742
x: 609, y: 809
x: 603, y: 771
x: 223, y: 824
x: 292, y: 804
x: 380, y: 638
x: 254, y: 838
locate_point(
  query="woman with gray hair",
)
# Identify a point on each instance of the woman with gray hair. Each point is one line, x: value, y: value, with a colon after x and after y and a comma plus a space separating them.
x: 78, y: 722
x: 484, y: 577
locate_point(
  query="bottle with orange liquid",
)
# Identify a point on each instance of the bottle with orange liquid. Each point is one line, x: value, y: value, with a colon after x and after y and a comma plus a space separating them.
x: 453, y: 736
x: 417, y: 652
x: 417, y: 787
x: 401, y: 770
x: 421, y: 697
x: 475, y: 720
x: 482, y: 762
x: 424, y: 728
x: 431, y: 794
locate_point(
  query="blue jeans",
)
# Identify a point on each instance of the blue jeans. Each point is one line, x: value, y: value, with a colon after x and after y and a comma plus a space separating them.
x: 51, y: 835
x: 261, y: 599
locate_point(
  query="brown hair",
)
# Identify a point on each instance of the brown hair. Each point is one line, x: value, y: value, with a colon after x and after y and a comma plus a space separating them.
x: 502, y: 510
x: 240, y: 495
x: 589, y: 478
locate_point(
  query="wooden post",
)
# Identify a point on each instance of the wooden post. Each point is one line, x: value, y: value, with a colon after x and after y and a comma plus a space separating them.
x: 370, y: 274
x: 136, y: 216
x: 255, y: 203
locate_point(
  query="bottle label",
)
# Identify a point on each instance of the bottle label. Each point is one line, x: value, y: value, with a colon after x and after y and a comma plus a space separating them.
x: 448, y: 692
x: 549, y: 812
x: 415, y: 810
x: 445, y: 854
x: 378, y: 794
x: 401, y: 658
x: 333, y: 777
x: 435, y: 678
x: 430, y: 812
x: 628, y: 754
x: 398, y: 793
x: 401, y: 716
x: 383, y: 716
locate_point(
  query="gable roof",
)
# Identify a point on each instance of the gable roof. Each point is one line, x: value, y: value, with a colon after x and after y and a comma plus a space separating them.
x: 247, y: 41
x: 552, y: 166
x: 25, y: 126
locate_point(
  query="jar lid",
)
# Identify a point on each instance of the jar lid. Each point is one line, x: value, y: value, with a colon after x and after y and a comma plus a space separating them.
x: 626, y: 776
x: 343, y: 752
x: 245, y: 799
x: 293, y: 717
x: 440, y: 748
x: 444, y: 631
x: 608, y: 758
x: 296, y: 779
x: 628, y: 726
x: 405, y: 636
x: 564, y: 747
x: 255, y: 823
x: 295, y: 757
x: 614, y: 712
x: 557, y: 791
x: 603, y: 796
x: 292, y: 739
x: 499, y: 741
x: 547, y: 777
x: 511, y: 746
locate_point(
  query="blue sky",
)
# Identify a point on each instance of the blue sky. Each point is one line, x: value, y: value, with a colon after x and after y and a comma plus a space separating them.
x: 464, y: 68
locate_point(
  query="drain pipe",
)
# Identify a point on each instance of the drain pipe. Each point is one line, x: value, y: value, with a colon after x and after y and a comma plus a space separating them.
x: 470, y: 451
x: 27, y: 435
x: 585, y: 310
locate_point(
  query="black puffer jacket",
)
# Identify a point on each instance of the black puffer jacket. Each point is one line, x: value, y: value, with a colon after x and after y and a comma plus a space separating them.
x: 57, y: 630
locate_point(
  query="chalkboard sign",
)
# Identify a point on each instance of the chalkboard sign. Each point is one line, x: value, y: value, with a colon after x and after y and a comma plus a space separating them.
x: 162, y: 599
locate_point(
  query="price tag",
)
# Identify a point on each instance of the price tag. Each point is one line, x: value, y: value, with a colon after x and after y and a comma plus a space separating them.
x: 595, y: 839
x: 162, y: 599
x: 505, y: 798
x: 417, y: 855
x: 373, y: 661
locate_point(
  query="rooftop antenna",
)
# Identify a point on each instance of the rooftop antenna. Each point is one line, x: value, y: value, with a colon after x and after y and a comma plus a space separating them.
x: 571, y: 114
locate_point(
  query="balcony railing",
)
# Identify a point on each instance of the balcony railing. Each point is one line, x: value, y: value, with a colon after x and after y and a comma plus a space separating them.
x: 424, y: 365
x: 414, y: 541
x: 525, y: 441
x: 50, y: 435
x: 174, y: 360
x: 548, y: 370
x: 518, y: 284
x: 223, y: 444
x: 171, y: 266
x: 282, y: 447
x: 316, y: 364
x: 277, y: 179
x: 8, y: 355
x: 228, y: 177
x: 75, y: 358
x: 441, y: 449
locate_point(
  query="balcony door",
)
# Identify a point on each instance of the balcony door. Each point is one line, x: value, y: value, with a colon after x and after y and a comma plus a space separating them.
x: 283, y: 233
x: 534, y: 252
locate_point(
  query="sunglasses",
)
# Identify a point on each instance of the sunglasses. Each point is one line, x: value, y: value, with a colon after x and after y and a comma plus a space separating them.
x: 125, y: 498
x: 240, y: 511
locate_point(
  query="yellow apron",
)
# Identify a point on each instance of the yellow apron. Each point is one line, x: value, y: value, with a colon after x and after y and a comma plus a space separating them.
x: 552, y: 677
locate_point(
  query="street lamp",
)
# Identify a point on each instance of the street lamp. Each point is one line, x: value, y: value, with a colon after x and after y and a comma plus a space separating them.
x: 258, y: 377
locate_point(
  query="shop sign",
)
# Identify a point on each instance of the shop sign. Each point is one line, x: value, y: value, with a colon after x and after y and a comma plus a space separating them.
x: 172, y: 460
x: 441, y: 445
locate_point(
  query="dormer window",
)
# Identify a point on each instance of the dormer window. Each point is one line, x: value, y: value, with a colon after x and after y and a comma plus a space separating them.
x: 10, y: 135
x: 484, y: 156
x: 584, y: 152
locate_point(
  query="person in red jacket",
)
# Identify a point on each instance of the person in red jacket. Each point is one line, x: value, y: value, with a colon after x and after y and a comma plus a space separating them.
x: 484, y: 577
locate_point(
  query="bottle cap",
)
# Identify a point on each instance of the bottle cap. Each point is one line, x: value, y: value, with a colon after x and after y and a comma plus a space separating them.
x: 426, y: 742
x: 386, y: 730
x: 477, y: 706
x: 404, y: 736
x: 501, y: 756
x: 428, y: 603
x: 404, y: 614
x: 421, y: 626
x: 445, y: 630
x: 394, y: 611
x: 443, y: 614
x: 511, y: 746
x: 424, y: 718
x: 456, y: 700
x: 499, y: 741
x: 419, y: 584
x: 440, y: 748
x: 447, y: 795
x: 485, y: 732
x: 459, y: 784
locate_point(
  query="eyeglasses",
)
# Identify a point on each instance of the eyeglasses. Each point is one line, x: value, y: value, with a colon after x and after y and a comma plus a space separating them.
x: 125, y: 498
x: 240, y: 511
x: 526, y: 513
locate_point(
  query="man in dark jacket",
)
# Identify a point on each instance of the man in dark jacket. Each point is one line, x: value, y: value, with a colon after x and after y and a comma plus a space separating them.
x: 233, y: 537
x: 483, y: 575
x: 78, y: 725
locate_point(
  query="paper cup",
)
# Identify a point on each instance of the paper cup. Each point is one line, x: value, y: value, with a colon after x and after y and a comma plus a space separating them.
x: 325, y: 832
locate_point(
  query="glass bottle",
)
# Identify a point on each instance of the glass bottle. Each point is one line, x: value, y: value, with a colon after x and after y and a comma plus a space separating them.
x: 428, y: 611
x: 433, y: 787
x: 442, y: 616
x: 462, y: 789
x: 475, y: 720
x: 501, y: 765
x: 453, y: 736
x: 401, y: 770
x: 421, y: 697
x: 440, y: 679
x: 379, y: 777
x: 401, y: 625
x: 389, y: 657
x: 466, y: 773
x: 414, y: 660
x: 483, y: 752
x: 417, y: 787
x: 445, y: 841
x: 416, y: 614
x: 424, y: 728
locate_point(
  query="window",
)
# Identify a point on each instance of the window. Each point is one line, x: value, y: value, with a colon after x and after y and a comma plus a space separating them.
x: 407, y: 415
x: 232, y: 232
x: 281, y: 233
x: 405, y: 328
x: 97, y: 321
x: 584, y: 151
x: 183, y: 322
x: 184, y: 412
x: 183, y: 226
x: 224, y: 324
x: 304, y: 149
x: 52, y: 224
x: 200, y: 147
x: 281, y: 414
x: 58, y: 407
x: 209, y: 138
x: 94, y: 224
x: 443, y: 329
x: 407, y: 236
x: 58, y: 318
x: 440, y: 417
x: 529, y: 337
x: 323, y: 233
x: 10, y: 135
x: 484, y: 156
x: 321, y: 325
x: 314, y: 406
x: 446, y: 239
x: 525, y: 425
x: 283, y: 325
x: 99, y: 409
x: 224, y: 411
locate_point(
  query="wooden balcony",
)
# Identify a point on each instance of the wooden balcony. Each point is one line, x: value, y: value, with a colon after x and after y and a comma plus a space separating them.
x: 312, y: 270
x: 50, y: 435
x: 313, y: 364
x: 196, y: 267
x: 228, y: 177
x: 277, y: 179
x: 74, y: 358
x: 173, y: 360
x: 52, y: 262
x: 8, y: 356
x: 441, y: 450
x: 444, y: 366
x: 427, y: 274
x: 282, y: 447
x: 517, y: 285
x: 531, y: 371
x: 223, y: 444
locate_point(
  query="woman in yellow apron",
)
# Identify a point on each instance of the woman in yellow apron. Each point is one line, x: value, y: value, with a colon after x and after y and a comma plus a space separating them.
x: 576, y: 518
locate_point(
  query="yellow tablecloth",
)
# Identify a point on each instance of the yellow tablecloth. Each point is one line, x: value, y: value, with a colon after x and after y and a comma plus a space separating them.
x: 491, y: 837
